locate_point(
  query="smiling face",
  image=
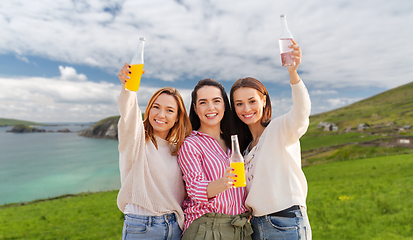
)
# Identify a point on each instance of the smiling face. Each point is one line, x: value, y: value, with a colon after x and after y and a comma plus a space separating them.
x: 163, y: 115
x: 209, y: 106
x: 249, y: 105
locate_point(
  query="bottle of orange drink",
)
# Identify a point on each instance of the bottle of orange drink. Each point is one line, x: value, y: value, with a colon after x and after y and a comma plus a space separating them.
x: 237, y: 162
x: 136, y: 68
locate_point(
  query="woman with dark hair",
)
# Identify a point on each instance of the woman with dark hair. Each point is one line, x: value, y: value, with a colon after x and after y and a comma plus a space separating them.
x: 276, y: 186
x: 152, y: 189
x: 214, y: 209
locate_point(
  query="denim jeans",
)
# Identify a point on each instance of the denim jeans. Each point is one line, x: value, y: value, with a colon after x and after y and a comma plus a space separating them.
x: 151, y: 227
x: 282, y: 228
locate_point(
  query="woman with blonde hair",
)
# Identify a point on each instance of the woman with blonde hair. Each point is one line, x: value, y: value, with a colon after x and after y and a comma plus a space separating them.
x: 152, y: 188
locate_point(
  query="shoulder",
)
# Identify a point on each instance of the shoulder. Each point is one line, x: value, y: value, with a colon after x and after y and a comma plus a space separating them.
x: 195, y: 138
x: 274, y: 128
x: 191, y: 142
x: 276, y: 122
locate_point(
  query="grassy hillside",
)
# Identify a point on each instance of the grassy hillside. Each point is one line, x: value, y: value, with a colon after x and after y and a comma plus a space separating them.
x: 390, y: 108
x: 360, y: 199
x: 12, y: 122
x: 385, y: 114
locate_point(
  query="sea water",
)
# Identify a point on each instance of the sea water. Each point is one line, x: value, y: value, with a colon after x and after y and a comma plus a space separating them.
x: 49, y: 164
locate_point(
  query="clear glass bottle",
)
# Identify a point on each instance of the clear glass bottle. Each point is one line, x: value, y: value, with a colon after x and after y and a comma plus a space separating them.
x: 237, y: 162
x: 136, y: 67
x: 285, y: 40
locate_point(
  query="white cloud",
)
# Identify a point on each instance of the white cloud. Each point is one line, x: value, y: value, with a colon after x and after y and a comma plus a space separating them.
x: 322, y: 92
x: 62, y: 99
x: 51, y: 100
x: 321, y: 104
x: 344, y: 44
x: 70, y: 74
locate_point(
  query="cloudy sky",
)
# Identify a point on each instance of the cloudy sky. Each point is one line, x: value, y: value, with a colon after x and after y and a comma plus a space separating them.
x: 59, y: 59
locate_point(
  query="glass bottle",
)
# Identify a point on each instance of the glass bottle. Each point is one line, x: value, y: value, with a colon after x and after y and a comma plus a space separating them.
x: 237, y: 162
x: 285, y: 40
x: 136, y: 68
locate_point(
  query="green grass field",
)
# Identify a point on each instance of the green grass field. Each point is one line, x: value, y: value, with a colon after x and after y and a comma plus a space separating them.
x: 362, y: 199
x: 358, y: 199
x: 86, y: 216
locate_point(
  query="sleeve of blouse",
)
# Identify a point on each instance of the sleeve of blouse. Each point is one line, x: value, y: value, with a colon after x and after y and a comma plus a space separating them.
x: 131, y: 134
x: 297, y: 120
x: 189, y: 159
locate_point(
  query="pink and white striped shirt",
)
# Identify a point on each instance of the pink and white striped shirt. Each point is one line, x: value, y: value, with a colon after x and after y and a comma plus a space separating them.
x: 202, y: 161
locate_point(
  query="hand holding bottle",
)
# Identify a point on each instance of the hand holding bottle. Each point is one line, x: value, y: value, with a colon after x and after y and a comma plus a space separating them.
x: 136, y: 67
x: 125, y: 72
x: 292, y: 70
x: 295, y: 54
x: 221, y: 184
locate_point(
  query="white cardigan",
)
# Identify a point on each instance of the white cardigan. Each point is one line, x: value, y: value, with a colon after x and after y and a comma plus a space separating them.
x: 275, y: 180
x: 151, y: 178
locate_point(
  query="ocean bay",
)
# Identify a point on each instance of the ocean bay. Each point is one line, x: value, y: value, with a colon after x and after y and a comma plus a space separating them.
x: 42, y: 165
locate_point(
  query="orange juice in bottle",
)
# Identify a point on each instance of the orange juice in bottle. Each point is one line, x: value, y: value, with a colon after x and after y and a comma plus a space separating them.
x: 237, y: 163
x: 136, y: 68
x: 135, y: 77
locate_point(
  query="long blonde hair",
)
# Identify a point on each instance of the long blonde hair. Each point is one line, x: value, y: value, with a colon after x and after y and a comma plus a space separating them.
x: 182, y: 127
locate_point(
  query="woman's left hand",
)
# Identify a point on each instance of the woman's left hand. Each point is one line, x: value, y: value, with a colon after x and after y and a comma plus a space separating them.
x: 296, y: 55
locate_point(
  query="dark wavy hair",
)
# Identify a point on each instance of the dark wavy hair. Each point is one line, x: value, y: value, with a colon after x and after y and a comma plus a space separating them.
x: 226, y: 122
x: 244, y: 133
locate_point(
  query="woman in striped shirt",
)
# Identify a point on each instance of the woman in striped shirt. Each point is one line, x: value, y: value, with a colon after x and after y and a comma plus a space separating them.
x: 214, y: 209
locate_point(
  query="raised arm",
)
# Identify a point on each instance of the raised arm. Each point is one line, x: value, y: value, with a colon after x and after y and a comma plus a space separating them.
x: 131, y: 132
x: 292, y: 70
x: 297, y: 120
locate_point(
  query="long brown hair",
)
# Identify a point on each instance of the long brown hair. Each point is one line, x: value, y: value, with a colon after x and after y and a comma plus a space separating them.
x: 182, y: 127
x: 244, y: 133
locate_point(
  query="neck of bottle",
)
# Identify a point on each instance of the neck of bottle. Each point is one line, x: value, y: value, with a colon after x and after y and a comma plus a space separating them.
x: 235, y: 146
x: 138, y: 56
x: 285, y: 32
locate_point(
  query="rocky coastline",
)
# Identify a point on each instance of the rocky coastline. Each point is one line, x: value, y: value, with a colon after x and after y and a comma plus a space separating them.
x: 23, y: 128
x: 106, y: 128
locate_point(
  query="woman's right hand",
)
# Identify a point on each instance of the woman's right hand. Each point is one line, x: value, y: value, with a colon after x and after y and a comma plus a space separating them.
x: 228, y: 178
x: 124, y: 73
x: 221, y: 184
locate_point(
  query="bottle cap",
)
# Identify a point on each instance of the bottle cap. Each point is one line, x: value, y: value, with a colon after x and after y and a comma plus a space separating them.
x: 282, y: 15
x: 142, y: 38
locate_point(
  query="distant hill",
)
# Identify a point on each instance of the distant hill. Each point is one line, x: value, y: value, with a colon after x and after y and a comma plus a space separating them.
x: 377, y: 126
x: 105, y: 128
x: 390, y: 108
x: 12, y: 122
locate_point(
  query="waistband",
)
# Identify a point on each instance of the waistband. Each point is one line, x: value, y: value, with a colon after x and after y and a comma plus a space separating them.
x: 211, y: 224
x: 287, y: 213
x: 166, y: 217
x: 225, y: 217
